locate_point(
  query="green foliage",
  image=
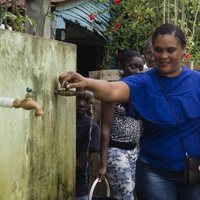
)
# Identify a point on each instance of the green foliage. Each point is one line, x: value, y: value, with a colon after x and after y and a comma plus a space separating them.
x: 17, y: 22
x: 195, y: 52
x: 138, y: 20
x: 15, y: 19
x: 187, y: 13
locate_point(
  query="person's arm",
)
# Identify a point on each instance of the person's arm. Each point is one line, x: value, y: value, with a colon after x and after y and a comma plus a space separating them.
x: 107, y: 115
x: 103, y: 90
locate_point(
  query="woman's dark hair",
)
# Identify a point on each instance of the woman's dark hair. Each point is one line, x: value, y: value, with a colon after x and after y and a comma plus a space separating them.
x: 126, y: 56
x: 171, y: 29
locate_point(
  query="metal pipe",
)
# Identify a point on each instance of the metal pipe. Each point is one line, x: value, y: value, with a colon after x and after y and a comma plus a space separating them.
x: 67, y: 92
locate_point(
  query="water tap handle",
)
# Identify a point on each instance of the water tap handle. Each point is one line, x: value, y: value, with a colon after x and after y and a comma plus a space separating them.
x: 29, y: 92
x: 29, y: 89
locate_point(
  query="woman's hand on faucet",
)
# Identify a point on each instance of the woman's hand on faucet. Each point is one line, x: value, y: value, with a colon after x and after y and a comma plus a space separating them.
x: 72, y: 80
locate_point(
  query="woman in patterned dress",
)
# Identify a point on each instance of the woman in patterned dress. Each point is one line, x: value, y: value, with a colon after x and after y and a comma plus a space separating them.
x: 119, y: 138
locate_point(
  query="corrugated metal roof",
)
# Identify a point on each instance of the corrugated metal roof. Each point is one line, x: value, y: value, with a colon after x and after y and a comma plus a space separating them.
x: 58, y: 1
x: 79, y: 12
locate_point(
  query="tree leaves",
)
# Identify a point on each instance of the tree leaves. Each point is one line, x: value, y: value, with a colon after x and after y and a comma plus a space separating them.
x: 138, y: 20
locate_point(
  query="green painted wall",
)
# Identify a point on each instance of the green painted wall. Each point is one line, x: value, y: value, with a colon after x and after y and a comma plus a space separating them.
x: 37, y: 154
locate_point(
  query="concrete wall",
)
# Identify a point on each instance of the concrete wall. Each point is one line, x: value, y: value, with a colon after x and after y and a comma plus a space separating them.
x: 37, y: 154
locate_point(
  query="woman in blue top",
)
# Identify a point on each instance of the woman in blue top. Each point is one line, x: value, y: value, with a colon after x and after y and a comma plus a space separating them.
x: 160, y: 165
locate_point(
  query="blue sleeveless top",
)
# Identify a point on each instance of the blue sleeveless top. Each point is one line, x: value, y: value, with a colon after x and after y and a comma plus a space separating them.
x: 160, y: 143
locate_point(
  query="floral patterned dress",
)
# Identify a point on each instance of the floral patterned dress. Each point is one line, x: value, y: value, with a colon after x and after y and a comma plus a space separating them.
x: 121, y: 163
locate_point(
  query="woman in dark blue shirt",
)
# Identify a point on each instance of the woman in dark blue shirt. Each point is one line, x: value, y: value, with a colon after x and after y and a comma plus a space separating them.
x: 170, y: 131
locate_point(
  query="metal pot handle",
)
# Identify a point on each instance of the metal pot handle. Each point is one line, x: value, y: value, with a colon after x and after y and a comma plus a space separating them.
x: 94, y: 185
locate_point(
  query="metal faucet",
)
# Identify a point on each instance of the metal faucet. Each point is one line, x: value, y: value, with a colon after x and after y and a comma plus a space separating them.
x: 67, y: 92
x: 28, y: 103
